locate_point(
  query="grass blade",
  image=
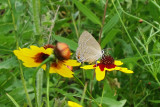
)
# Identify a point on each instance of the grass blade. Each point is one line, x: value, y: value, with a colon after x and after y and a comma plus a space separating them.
x: 13, y: 100
x: 87, y: 12
x: 111, y: 23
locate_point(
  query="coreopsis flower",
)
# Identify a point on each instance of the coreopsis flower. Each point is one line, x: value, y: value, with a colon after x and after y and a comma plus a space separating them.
x: 107, y: 63
x: 34, y: 56
x: 73, y: 104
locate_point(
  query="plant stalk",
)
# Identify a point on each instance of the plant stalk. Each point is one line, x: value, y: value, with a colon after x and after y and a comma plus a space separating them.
x: 47, y: 75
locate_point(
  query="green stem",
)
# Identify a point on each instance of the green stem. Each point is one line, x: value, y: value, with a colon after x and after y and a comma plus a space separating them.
x: 155, y: 76
x: 137, y: 105
x: 51, y: 57
x: 17, y: 45
x: 35, y: 6
x: 86, y: 89
x: 47, y: 74
x: 13, y: 17
x: 39, y: 81
x: 24, y: 84
x: 36, y: 18
x: 83, y: 95
x: 102, y: 96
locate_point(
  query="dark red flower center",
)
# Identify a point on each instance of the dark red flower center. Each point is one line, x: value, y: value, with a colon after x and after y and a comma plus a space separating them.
x: 40, y: 57
x: 56, y: 64
x: 106, y: 62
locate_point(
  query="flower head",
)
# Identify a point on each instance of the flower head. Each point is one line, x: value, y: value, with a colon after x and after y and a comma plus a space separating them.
x: 107, y: 63
x: 34, y: 56
x: 73, y: 104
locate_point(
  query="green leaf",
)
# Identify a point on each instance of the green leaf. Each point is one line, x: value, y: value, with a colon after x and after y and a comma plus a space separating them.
x: 69, y: 95
x: 108, y: 91
x: 87, y: 12
x: 9, y: 63
x: 5, y: 28
x: 7, y: 41
x: 130, y: 59
x: 5, y: 50
x: 111, y: 23
x: 109, y: 37
x: 110, y: 102
x: 154, y: 101
x: 72, y: 45
x: 121, y: 105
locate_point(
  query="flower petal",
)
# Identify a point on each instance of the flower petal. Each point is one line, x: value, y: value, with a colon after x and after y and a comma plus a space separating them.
x: 125, y: 70
x: 88, y: 67
x: 31, y: 64
x: 73, y: 104
x: 99, y: 74
x: 72, y: 62
x: 98, y: 61
x: 111, y: 69
x: 117, y: 68
x: 62, y: 70
x: 118, y: 63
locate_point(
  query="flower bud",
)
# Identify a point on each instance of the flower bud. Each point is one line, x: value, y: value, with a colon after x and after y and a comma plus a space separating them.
x: 62, y: 51
x: 140, y: 21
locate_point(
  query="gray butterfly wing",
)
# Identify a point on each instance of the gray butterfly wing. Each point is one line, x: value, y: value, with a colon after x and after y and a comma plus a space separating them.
x: 88, y: 49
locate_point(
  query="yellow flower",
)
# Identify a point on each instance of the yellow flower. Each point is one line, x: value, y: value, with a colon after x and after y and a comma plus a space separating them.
x: 106, y: 63
x: 73, y: 104
x: 34, y: 56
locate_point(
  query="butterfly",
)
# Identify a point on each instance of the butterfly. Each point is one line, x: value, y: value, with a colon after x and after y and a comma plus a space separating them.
x: 88, y: 49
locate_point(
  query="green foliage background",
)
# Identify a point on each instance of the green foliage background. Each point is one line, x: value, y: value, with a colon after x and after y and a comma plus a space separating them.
x: 137, y: 44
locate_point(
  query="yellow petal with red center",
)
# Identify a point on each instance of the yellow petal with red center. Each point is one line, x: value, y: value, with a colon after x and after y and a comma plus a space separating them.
x: 118, y: 63
x: 88, y: 67
x: 62, y: 70
x: 73, y: 104
x: 72, y: 62
x: 99, y: 74
x: 125, y: 70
